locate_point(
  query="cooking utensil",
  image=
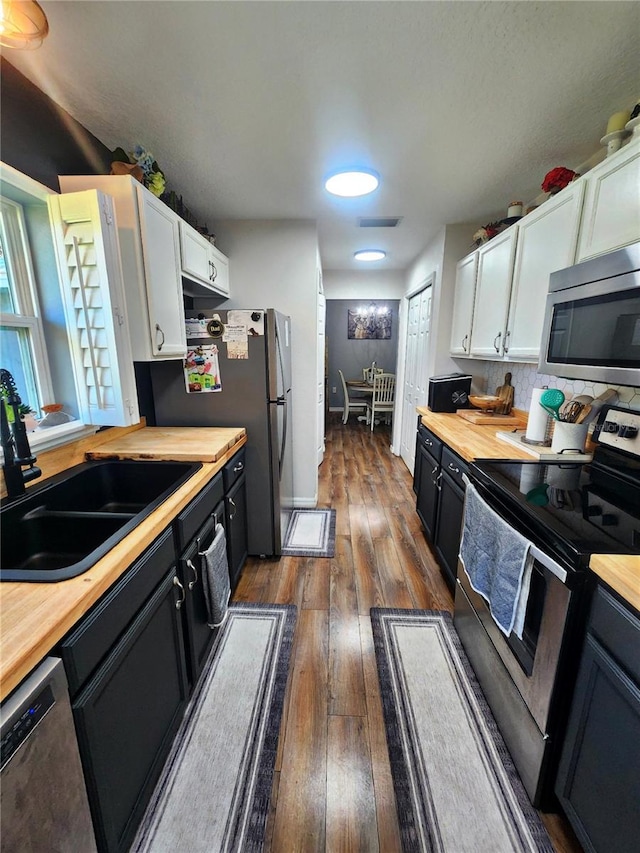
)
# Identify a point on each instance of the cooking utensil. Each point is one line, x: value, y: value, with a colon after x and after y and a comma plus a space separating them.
x: 583, y: 414
x: 551, y: 400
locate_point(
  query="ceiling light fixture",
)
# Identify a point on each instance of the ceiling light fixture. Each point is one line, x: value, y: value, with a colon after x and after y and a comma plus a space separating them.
x: 370, y: 255
x: 350, y: 183
x: 23, y: 24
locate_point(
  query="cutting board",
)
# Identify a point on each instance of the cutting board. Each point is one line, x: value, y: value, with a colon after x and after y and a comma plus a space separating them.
x: 175, y: 444
x: 506, y: 394
x: 476, y: 416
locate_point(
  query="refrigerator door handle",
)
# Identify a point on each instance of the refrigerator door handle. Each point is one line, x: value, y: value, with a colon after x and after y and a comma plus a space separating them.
x: 282, y: 402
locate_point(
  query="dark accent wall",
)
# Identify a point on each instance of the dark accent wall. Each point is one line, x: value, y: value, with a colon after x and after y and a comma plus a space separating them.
x: 41, y: 139
x: 350, y: 355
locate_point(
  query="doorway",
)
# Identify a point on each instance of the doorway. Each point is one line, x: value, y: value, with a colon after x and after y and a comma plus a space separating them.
x: 416, y: 367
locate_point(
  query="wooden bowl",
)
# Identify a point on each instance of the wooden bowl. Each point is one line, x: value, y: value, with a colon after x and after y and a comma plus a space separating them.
x: 484, y: 401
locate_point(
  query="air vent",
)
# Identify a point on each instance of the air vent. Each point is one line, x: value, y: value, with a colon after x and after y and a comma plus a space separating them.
x: 380, y: 222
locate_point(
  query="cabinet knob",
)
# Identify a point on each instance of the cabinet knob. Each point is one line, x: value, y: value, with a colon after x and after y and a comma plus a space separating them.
x: 159, y: 329
x: 194, y: 569
x: 496, y: 344
x: 180, y: 601
x: 235, y: 508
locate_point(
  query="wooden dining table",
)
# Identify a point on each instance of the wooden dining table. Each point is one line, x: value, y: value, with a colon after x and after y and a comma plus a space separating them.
x: 360, y: 385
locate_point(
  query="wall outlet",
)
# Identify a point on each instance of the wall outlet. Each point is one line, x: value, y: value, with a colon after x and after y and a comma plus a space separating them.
x: 334, y: 390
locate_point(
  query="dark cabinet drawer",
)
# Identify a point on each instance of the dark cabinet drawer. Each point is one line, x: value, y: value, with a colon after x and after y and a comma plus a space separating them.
x: 84, y: 648
x: 233, y: 469
x: 194, y: 516
x: 618, y: 629
x: 453, y: 465
x: 430, y: 442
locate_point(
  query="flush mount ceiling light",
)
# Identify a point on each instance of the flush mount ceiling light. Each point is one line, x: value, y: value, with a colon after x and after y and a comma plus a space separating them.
x: 370, y: 255
x: 350, y: 183
x: 23, y: 24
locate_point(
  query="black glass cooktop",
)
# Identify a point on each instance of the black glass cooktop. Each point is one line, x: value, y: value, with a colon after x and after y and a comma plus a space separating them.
x: 574, y: 510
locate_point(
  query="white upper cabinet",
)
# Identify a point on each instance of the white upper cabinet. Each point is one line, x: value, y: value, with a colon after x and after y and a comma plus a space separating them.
x: 546, y: 242
x: 87, y: 251
x: 611, y: 213
x: 466, y: 270
x: 203, y: 265
x: 151, y: 266
x: 493, y: 286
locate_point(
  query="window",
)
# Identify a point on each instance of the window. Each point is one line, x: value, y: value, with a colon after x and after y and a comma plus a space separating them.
x: 22, y: 347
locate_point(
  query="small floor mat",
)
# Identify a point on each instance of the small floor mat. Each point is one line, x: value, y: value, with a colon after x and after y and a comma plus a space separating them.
x: 311, y: 533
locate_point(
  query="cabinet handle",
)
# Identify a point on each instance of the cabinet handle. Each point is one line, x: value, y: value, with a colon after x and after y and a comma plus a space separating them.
x: 454, y: 468
x: 214, y: 271
x: 435, y: 482
x: 496, y: 346
x: 158, y: 329
x: 505, y: 347
x: 238, y: 467
x: 194, y: 569
x: 180, y: 601
x: 234, y: 507
x: 464, y: 342
x: 428, y: 442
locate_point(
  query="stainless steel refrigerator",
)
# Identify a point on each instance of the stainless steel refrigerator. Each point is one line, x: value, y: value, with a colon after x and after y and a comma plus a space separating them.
x: 254, y: 370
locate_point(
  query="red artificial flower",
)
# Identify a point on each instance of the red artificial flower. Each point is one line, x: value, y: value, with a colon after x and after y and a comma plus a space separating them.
x: 557, y: 179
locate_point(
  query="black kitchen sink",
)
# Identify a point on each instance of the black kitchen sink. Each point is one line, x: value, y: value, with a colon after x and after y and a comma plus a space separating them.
x: 61, y: 528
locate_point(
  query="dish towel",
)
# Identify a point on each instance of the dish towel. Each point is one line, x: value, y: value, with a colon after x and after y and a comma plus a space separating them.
x: 497, y: 561
x: 215, y: 578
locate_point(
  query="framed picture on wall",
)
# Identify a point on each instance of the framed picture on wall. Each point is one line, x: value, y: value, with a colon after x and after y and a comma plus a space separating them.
x: 373, y: 323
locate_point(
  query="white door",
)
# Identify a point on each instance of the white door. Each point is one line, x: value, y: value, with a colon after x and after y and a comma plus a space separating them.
x: 416, y: 372
x: 321, y: 370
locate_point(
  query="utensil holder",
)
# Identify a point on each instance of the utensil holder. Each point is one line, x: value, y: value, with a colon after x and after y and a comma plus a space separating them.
x: 569, y: 437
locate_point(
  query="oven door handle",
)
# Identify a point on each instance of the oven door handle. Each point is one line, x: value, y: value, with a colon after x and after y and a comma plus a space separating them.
x: 542, y: 558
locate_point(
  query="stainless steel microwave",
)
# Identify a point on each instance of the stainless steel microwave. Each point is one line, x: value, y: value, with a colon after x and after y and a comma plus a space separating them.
x: 592, y: 320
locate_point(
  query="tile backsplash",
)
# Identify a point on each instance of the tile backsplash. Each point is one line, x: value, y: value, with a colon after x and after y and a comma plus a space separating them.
x: 525, y: 377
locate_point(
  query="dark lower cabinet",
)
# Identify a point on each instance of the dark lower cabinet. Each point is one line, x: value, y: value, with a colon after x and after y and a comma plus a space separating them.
x: 448, y: 528
x: 127, y: 714
x: 598, y: 781
x: 235, y: 503
x: 440, y: 499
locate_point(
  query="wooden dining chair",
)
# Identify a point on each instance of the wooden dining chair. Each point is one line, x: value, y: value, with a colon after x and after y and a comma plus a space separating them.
x: 368, y: 373
x: 351, y: 403
x: 384, y: 386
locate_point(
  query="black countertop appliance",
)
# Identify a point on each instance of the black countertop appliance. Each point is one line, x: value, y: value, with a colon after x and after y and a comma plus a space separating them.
x: 449, y: 392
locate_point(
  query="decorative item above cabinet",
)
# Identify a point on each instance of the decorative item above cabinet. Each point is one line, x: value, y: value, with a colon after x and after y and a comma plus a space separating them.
x: 205, y: 270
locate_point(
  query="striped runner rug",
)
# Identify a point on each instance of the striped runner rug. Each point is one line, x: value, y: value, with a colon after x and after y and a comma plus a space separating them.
x: 455, y: 784
x: 215, y: 789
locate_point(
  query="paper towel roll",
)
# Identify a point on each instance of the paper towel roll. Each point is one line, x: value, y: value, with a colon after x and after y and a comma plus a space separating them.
x: 538, y: 418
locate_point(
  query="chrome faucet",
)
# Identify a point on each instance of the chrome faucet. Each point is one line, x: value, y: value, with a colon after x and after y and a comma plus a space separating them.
x: 15, y: 444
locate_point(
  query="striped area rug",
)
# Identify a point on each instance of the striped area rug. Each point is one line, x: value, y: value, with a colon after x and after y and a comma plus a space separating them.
x: 311, y: 533
x: 455, y: 784
x: 215, y: 789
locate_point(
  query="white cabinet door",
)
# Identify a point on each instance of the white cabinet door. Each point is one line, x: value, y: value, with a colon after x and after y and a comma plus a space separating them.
x: 416, y: 370
x: 92, y: 287
x: 547, y: 240
x: 491, y: 304
x: 463, y: 305
x: 203, y: 264
x: 161, y: 253
x: 611, y: 212
x: 150, y: 255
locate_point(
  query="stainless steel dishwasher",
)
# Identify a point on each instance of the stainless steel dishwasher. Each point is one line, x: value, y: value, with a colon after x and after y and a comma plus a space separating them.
x: 44, y: 802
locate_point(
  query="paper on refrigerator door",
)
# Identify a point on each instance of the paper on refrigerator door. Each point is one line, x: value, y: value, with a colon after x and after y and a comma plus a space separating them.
x: 235, y: 337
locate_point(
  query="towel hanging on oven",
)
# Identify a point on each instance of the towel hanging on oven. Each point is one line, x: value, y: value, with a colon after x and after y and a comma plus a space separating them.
x: 497, y: 561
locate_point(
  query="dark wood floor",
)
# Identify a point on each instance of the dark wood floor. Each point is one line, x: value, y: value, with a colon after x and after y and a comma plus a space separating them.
x: 332, y: 787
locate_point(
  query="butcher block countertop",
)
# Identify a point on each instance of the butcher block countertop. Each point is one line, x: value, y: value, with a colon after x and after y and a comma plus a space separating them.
x: 472, y: 441
x: 35, y: 616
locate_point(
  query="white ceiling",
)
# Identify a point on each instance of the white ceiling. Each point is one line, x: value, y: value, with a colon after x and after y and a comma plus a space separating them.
x: 460, y: 106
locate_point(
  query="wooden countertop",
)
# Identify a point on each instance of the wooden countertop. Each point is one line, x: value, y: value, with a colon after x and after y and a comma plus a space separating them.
x: 472, y: 441
x: 621, y: 572
x: 35, y: 616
